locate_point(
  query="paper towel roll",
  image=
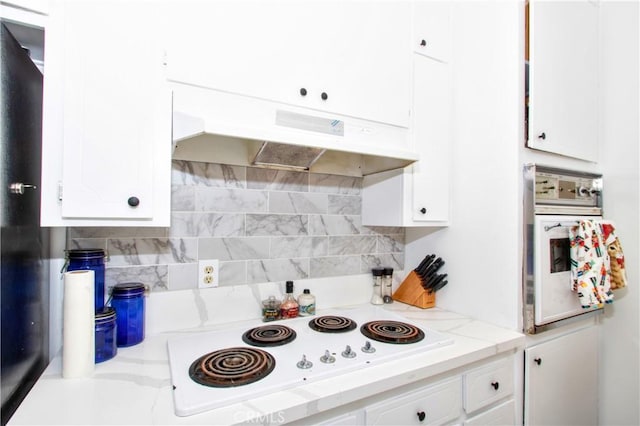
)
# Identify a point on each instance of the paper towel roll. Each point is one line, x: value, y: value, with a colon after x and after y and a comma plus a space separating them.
x: 78, y: 329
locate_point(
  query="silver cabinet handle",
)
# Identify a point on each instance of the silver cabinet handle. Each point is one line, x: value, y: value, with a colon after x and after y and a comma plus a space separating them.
x: 19, y: 187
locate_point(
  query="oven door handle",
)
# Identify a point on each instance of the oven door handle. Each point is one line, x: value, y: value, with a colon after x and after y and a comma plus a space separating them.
x: 547, y: 228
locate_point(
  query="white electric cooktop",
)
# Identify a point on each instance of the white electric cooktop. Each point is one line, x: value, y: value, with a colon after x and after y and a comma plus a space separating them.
x: 322, y: 354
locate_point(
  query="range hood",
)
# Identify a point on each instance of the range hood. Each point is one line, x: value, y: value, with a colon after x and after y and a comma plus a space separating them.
x: 216, y: 127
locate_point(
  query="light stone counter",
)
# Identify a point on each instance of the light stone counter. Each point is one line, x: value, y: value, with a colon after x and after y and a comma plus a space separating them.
x: 135, y: 387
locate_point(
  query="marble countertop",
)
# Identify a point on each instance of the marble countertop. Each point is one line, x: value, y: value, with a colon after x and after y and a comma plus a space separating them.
x: 135, y: 386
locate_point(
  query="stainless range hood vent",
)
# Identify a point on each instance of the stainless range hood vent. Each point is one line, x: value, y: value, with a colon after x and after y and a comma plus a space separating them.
x: 286, y: 156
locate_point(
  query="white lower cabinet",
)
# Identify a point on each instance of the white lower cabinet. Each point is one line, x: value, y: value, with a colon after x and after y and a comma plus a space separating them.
x: 561, y: 380
x: 481, y: 393
x: 433, y: 405
x: 478, y: 394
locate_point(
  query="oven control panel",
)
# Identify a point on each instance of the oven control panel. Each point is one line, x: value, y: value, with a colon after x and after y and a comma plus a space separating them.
x: 567, y: 189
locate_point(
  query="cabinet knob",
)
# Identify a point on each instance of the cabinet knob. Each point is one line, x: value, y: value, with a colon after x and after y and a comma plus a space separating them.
x: 537, y: 360
x: 495, y: 385
x: 421, y: 415
x: 303, y: 91
x: 423, y: 210
x: 423, y: 42
x: 324, y: 96
x: 133, y: 201
x: 542, y: 136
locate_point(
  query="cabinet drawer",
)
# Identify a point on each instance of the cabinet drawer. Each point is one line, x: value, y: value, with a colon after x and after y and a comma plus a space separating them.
x: 488, y: 384
x: 503, y: 414
x: 436, y: 404
x: 349, y: 419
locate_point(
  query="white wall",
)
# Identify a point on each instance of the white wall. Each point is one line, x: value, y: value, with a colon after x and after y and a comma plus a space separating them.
x: 620, y: 357
x: 481, y: 247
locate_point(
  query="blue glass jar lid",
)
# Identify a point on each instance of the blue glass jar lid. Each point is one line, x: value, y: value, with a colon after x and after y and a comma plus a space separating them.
x: 128, y: 289
x: 105, y: 315
x: 92, y: 253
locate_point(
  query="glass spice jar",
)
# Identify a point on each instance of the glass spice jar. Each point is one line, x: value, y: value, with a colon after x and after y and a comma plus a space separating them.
x: 270, y: 309
x: 376, y: 297
x: 387, y: 283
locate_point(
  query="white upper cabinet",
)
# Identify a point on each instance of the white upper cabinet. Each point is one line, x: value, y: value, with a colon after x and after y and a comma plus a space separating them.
x: 343, y: 57
x: 32, y: 13
x: 418, y: 195
x: 432, y: 29
x: 563, y: 77
x: 107, y: 118
x: 432, y: 139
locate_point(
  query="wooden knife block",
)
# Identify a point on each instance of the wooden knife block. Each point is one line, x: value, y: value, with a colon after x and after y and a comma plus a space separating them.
x: 412, y: 293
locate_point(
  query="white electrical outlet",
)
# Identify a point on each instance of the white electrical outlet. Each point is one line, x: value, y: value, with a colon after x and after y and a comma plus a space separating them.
x: 208, y: 273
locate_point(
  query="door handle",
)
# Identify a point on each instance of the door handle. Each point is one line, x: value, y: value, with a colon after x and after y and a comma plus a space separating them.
x: 19, y: 187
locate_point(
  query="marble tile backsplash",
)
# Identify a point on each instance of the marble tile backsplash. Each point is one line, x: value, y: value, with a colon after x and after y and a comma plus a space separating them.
x: 262, y: 225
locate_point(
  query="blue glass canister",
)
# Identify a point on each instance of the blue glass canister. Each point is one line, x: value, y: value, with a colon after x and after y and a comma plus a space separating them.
x: 106, y: 347
x: 90, y: 259
x: 128, y: 301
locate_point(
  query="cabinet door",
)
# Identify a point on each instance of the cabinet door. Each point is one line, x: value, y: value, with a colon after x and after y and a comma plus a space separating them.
x: 434, y: 405
x: 431, y: 136
x: 432, y: 29
x: 294, y: 51
x: 563, y: 77
x: 115, y: 113
x: 561, y: 380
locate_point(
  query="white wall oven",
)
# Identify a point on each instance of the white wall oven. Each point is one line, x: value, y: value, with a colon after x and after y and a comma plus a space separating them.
x: 554, y: 201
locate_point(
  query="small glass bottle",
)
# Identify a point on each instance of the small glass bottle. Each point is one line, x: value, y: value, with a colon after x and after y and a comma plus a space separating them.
x: 289, y: 307
x: 387, y: 283
x: 270, y: 309
x: 376, y: 297
x: 307, y: 303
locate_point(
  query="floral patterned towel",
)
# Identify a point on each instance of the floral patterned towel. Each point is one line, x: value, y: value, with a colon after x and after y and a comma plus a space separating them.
x: 618, y: 273
x: 590, y: 265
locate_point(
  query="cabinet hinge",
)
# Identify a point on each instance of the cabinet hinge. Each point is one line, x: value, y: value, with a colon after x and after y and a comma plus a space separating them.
x: 59, y: 191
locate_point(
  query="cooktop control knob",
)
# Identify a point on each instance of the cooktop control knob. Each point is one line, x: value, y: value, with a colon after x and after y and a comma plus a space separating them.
x: 367, y: 348
x: 304, y: 363
x: 327, y: 358
x: 348, y: 353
